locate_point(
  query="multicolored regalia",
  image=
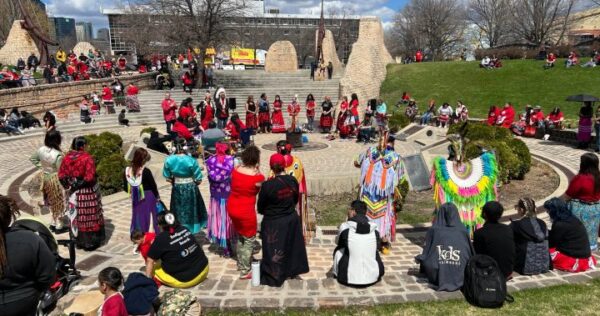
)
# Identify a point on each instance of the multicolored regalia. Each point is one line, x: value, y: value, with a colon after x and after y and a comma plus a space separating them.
x: 381, y: 175
x: 469, y: 185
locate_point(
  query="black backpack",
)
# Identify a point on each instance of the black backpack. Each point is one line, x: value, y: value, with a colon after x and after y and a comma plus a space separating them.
x: 484, y: 284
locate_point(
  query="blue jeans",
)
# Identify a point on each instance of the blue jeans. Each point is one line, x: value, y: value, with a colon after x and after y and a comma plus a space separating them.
x: 311, y: 122
x: 426, y: 118
x: 221, y: 123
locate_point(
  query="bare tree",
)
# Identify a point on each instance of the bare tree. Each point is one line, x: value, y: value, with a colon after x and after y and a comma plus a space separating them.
x: 187, y: 23
x: 10, y: 13
x: 541, y: 21
x: 492, y: 18
x: 436, y: 26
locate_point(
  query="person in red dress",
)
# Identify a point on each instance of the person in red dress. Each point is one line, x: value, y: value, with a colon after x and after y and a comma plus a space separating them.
x: 354, y: 108
x: 293, y: 111
x: 555, y: 119
x: 169, y: 108
x: 342, y: 127
x: 132, y: 102
x: 326, y: 120
x: 493, y: 114
x: 419, y: 56
x: 507, y: 116
x: 187, y: 80
x: 537, y: 117
x: 207, y: 111
x: 277, y: 122
x: 235, y: 127
x: 186, y: 110
x: 107, y: 99
x: 241, y: 206
x: 310, y: 111
x: 110, y: 280
x: 181, y: 130
x: 251, y: 114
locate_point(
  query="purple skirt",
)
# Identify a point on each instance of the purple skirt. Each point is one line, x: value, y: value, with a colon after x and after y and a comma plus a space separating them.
x: 584, y: 133
x: 143, y: 212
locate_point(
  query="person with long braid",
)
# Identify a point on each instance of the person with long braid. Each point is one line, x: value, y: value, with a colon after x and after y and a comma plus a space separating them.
x: 531, y: 240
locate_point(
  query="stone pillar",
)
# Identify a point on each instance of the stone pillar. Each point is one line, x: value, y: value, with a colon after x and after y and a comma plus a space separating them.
x: 281, y: 57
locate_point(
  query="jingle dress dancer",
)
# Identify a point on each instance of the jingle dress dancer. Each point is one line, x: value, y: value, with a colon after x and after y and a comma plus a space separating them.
x: 277, y: 122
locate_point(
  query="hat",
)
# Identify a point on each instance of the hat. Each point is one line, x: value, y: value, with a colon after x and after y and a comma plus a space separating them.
x: 537, y: 107
x: 277, y: 159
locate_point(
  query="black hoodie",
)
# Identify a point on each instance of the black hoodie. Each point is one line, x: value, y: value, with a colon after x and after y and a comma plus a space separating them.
x: 447, y: 250
x: 531, y: 246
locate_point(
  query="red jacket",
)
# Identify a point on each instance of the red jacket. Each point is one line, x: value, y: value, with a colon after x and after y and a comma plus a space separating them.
x: 132, y: 90
x: 233, y: 131
x: 508, y: 116
x: 169, y: 106
x: 581, y: 188
x: 186, y: 112
x: 182, y: 130
x: 106, y: 94
x: 493, y: 117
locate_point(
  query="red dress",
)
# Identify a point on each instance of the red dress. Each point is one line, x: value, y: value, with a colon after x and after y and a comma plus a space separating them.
x: 114, y: 306
x: 278, y: 125
x: 310, y: 108
x: 342, y: 128
x: 251, y: 118
x: 241, y: 205
x: 182, y: 130
x: 186, y: 111
x: 107, y: 95
x: 354, y: 109
x: 208, y: 115
x: 234, y: 132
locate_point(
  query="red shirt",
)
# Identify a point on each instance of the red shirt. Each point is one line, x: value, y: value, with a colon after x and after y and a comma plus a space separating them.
x: 537, y: 117
x: 508, y: 114
x: 106, y: 94
x: 182, y: 130
x: 132, y: 90
x: 555, y: 118
x: 114, y: 306
x: 310, y: 108
x: 581, y: 188
x: 169, y: 106
x: 144, y: 247
x: 233, y: 131
x: 493, y: 117
x: 186, y: 112
x: 354, y: 107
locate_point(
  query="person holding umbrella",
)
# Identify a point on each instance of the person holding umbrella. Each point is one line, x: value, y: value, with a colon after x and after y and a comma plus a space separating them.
x: 586, y: 114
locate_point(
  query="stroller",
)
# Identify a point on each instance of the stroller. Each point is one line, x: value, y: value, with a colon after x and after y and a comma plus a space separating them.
x: 67, y: 275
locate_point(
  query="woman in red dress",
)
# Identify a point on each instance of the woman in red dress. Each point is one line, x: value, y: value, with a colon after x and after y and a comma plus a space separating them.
x: 251, y: 114
x: 310, y: 111
x: 207, y: 111
x: 343, y: 129
x: 241, y: 206
x: 235, y: 127
x: 278, y: 125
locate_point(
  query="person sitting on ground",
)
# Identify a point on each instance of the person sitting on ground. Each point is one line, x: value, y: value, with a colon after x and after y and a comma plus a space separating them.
x: 537, y: 117
x: 175, y: 258
x: 156, y: 142
x: 485, y: 63
x: 411, y: 110
x: 122, y: 119
x: 356, y: 261
x: 531, y: 240
x: 110, y: 280
x: 446, y: 251
x: 181, y: 129
x: 493, y: 114
x: 234, y: 127
x: 495, y: 239
x: 590, y: 64
x: 211, y: 136
x: 507, y: 116
x: 550, y: 60
x: 524, y: 121
x: 568, y: 241
x: 404, y: 99
x: 572, y: 60
x: 27, y: 266
x: 366, y: 130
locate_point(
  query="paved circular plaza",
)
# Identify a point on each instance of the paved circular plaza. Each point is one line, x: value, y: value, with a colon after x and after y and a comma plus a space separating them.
x: 329, y: 170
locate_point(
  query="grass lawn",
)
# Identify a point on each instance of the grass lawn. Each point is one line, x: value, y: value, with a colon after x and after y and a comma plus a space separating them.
x: 581, y: 299
x: 519, y: 81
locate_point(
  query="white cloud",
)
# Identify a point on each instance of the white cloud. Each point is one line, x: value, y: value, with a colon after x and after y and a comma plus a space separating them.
x: 80, y: 10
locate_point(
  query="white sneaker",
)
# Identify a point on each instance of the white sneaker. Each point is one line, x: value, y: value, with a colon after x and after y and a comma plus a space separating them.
x: 547, y: 136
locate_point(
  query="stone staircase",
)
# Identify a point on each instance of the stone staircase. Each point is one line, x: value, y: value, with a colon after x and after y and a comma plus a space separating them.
x: 239, y: 85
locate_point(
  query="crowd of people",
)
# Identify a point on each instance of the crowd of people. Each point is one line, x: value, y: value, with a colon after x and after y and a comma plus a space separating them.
x: 442, y: 116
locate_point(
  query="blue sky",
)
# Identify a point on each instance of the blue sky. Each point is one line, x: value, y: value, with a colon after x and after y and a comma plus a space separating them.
x: 89, y: 10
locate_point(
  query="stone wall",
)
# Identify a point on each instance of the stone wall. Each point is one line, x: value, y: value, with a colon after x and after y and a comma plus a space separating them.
x: 329, y: 51
x: 366, y: 68
x: 61, y: 97
x: 18, y: 45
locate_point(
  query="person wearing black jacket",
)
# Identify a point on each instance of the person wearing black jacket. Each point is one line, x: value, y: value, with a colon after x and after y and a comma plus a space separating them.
x: 495, y: 239
x: 283, y: 249
x: 156, y: 142
x: 531, y: 240
x: 568, y: 241
x: 27, y: 266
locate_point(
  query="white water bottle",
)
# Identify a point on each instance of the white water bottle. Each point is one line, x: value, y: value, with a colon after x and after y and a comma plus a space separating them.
x: 255, y: 273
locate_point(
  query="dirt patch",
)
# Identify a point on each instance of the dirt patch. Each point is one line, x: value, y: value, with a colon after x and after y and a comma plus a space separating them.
x: 419, y: 206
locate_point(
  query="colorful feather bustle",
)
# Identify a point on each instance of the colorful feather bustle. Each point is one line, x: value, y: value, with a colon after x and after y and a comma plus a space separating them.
x: 469, y: 189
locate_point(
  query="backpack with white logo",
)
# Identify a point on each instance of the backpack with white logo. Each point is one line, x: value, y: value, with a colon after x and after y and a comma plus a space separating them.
x: 484, y: 284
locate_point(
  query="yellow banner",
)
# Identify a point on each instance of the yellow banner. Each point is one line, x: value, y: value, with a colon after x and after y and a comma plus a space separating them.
x: 242, y: 56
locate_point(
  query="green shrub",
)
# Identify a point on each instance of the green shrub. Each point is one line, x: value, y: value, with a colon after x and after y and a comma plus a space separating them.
x: 108, y: 157
x: 514, y: 158
x: 110, y: 173
x: 147, y: 130
x: 398, y: 120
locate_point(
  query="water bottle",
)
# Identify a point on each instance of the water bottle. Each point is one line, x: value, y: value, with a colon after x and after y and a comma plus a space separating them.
x: 255, y: 273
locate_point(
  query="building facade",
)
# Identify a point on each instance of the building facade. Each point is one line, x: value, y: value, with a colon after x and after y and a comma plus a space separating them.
x: 84, y: 31
x: 257, y: 27
x: 102, y: 34
x: 63, y: 31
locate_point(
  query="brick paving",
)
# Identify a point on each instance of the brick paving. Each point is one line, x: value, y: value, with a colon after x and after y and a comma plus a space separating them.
x: 325, y: 169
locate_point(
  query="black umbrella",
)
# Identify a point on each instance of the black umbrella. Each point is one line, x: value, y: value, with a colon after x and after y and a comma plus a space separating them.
x: 583, y: 98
